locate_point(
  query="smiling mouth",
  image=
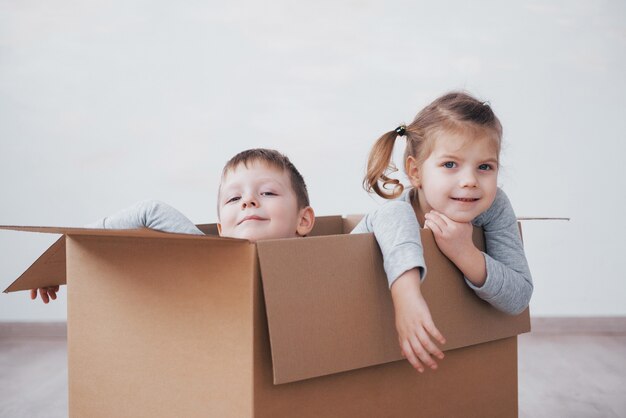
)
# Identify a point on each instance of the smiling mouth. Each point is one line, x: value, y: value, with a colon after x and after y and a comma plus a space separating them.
x: 251, y: 218
x: 465, y: 199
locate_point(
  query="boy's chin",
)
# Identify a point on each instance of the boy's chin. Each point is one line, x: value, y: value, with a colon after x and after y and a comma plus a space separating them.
x: 254, y: 236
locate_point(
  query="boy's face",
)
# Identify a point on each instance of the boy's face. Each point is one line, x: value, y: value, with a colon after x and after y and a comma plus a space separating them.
x: 258, y: 202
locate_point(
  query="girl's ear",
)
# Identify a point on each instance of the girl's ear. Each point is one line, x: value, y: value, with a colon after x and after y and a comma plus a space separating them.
x: 306, y: 220
x: 413, y: 171
x: 219, y: 229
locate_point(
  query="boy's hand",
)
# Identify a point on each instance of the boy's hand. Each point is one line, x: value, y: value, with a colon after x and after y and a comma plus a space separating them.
x: 453, y: 238
x: 414, y: 323
x: 46, y: 293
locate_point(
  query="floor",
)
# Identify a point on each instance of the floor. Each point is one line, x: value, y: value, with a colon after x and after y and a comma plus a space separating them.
x: 560, y: 375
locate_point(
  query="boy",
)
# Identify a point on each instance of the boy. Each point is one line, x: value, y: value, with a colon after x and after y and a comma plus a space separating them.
x: 261, y: 196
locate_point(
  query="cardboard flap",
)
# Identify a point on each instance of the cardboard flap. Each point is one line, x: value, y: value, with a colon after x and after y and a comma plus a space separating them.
x: 139, y: 232
x: 49, y: 268
x: 329, y: 308
x: 327, y: 225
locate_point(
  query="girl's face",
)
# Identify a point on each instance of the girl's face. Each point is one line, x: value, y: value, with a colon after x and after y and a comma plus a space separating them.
x: 459, y: 178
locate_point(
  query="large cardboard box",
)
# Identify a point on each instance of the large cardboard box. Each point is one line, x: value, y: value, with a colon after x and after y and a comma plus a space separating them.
x: 168, y: 325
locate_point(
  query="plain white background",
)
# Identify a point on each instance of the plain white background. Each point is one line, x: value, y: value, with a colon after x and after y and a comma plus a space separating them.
x: 105, y: 103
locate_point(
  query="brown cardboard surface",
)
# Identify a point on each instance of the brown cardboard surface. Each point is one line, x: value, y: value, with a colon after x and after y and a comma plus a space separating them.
x: 328, y: 302
x: 174, y: 325
x: 477, y: 381
x: 49, y: 268
x: 159, y: 328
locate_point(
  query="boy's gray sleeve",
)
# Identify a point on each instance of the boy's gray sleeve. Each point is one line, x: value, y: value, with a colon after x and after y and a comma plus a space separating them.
x: 398, y: 234
x: 509, y: 285
x: 148, y: 214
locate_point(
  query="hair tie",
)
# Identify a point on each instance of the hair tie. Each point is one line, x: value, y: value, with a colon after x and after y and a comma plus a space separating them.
x: 401, y: 130
x: 486, y: 103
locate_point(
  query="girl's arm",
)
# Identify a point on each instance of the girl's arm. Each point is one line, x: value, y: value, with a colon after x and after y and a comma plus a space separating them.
x: 500, y: 275
x: 398, y: 234
x: 509, y: 284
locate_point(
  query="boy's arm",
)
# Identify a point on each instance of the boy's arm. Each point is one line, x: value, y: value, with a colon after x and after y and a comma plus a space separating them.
x: 397, y: 232
x: 151, y: 214
x: 147, y: 214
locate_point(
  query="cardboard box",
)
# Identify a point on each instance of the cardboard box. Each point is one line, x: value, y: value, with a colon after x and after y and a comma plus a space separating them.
x: 177, y: 325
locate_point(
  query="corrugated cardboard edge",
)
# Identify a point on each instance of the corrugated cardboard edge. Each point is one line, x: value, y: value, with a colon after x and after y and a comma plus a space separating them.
x: 50, y: 268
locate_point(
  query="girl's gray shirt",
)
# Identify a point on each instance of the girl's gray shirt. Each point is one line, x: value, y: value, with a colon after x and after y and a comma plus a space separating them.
x: 508, y: 286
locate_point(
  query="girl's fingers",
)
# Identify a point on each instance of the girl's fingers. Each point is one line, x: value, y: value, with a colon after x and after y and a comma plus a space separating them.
x: 52, y: 294
x: 421, y: 353
x: 33, y: 294
x: 440, y: 218
x: 432, y: 330
x: 428, y: 344
x: 410, y: 356
x: 432, y: 226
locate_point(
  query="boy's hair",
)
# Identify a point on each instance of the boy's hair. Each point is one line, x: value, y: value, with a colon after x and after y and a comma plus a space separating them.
x: 274, y: 159
x: 455, y: 112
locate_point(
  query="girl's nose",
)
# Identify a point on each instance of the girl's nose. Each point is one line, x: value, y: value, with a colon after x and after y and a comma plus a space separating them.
x: 468, y: 180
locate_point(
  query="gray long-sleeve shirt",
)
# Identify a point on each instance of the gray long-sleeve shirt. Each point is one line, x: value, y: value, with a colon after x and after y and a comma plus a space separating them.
x: 508, y: 286
x: 151, y: 214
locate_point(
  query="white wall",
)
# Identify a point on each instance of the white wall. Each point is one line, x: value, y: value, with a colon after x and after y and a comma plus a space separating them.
x: 104, y: 103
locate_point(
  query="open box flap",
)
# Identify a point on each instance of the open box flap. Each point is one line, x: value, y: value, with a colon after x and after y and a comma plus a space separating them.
x: 329, y: 308
x: 49, y: 268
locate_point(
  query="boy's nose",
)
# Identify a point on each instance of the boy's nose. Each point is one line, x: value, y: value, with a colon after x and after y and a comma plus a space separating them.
x: 249, y: 201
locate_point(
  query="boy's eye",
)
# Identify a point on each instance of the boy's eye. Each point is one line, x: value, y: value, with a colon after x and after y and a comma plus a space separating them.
x: 449, y: 164
x: 485, y: 167
x: 233, y: 199
x: 268, y: 194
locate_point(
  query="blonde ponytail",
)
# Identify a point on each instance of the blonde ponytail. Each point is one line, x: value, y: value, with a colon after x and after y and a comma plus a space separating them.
x: 380, y: 165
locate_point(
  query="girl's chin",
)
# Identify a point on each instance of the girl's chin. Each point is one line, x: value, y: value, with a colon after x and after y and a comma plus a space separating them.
x: 460, y: 217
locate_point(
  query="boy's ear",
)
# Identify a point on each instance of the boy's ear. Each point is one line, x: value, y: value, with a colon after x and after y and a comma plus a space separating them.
x: 306, y: 221
x: 413, y: 171
x: 219, y: 229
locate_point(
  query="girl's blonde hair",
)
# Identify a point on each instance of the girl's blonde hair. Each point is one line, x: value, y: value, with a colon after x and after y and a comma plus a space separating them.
x: 455, y: 112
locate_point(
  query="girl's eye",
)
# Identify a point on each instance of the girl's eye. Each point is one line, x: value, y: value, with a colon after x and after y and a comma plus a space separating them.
x: 449, y: 164
x: 268, y: 194
x: 233, y: 199
x: 485, y: 167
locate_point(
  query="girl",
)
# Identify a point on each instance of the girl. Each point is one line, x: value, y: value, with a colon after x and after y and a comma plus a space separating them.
x: 452, y: 161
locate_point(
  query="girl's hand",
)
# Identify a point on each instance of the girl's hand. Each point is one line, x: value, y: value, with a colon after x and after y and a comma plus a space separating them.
x: 454, y: 239
x: 46, y: 293
x: 414, y: 324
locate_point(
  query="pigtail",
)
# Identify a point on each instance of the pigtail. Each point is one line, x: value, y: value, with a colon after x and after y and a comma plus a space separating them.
x: 380, y: 165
